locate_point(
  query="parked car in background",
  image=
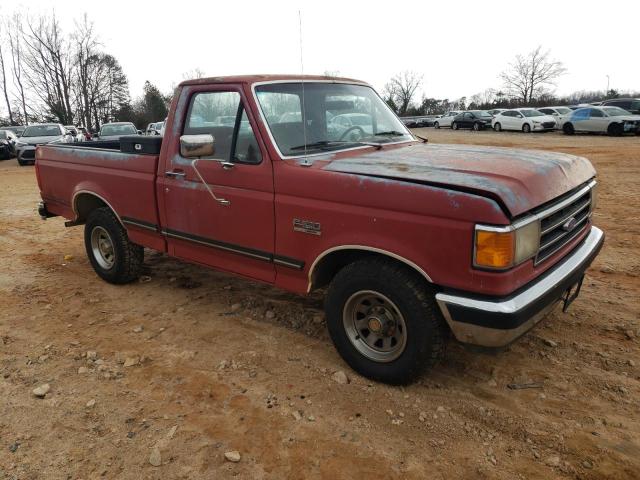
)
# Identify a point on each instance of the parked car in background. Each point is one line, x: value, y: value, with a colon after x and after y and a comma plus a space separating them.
x: 162, y: 129
x: 8, y: 141
x: 446, y: 119
x: 85, y: 133
x: 350, y: 126
x: 611, y: 120
x: 425, y: 122
x: 154, y: 128
x: 75, y: 133
x: 409, y: 122
x: 631, y: 105
x: 523, y: 119
x: 41, y: 134
x: 115, y: 130
x: 17, y: 129
x: 496, y: 111
x: 473, y: 119
x: 561, y: 114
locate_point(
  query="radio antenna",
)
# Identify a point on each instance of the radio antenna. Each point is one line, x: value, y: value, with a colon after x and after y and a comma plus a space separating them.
x: 302, y: 113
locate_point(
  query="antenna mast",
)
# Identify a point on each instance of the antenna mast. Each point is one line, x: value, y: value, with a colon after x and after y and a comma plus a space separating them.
x: 302, y: 108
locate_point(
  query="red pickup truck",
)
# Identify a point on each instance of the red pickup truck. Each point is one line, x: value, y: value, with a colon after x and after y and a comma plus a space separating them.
x: 313, y: 182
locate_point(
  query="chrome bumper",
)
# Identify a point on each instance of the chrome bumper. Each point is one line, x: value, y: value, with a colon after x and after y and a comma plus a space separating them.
x: 498, y: 322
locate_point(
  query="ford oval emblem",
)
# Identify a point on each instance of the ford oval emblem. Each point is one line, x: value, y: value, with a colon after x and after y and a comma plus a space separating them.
x: 569, y: 224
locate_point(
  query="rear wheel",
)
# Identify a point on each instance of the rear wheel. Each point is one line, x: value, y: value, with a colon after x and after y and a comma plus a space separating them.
x: 568, y: 129
x: 615, y: 129
x: 436, y: 125
x: 384, y: 322
x: 497, y: 127
x: 113, y: 257
x: 526, y: 128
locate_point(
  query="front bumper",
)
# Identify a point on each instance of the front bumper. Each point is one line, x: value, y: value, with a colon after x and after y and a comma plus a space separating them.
x: 26, y: 154
x: 496, y: 322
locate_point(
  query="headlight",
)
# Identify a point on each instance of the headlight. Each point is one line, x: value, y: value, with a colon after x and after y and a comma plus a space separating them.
x: 21, y: 144
x: 535, y: 122
x: 505, y: 247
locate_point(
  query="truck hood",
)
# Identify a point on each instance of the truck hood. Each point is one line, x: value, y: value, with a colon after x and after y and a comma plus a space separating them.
x: 518, y: 179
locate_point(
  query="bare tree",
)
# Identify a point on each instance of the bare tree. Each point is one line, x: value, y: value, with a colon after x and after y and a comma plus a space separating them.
x: 532, y: 74
x: 49, y: 66
x: 14, y: 32
x: 5, y: 86
x: 401, y: 89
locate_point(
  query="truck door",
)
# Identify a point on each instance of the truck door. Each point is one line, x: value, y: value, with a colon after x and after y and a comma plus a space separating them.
x: 219, y: 210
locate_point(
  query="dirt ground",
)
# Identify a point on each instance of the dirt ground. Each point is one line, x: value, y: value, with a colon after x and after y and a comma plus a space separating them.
x: 189, y: 364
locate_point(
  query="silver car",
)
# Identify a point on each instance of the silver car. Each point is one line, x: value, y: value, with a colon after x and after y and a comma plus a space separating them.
x: 115, y: 130
x: 35, y: 135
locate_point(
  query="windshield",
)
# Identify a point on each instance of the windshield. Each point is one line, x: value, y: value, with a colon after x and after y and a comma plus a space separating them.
x: 109, y: 130
x: 615, y: 111
x: 336, y: 116
x: 42, y: 131
x: 481, y: 113
x: 531, y: 113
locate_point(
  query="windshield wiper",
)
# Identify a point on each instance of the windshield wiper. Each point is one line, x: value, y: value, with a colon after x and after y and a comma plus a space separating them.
x: 390, y: 133
x: 328, y: 143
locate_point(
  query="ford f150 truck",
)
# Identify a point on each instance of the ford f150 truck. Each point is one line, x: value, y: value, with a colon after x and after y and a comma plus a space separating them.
x: 310, y: 182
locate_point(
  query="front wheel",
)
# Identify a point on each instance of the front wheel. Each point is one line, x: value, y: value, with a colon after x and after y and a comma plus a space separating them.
x: 497, y: 127
x: 526, y: 128
x: 454, y: 126
x: 113, y: 257
x: 568, y: 129
x: 384, y: 322
x: 476, y: 126
x: 436, y: 125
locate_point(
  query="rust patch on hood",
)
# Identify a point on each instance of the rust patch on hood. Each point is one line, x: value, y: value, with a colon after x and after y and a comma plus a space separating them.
x: 519, y: 179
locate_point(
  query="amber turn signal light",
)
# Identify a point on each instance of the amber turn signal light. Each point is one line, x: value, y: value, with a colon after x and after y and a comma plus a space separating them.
x: 494, y: 249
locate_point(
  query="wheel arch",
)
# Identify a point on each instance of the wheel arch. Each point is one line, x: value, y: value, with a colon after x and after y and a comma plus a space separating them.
x: 328, y: 263
x: 85, y: 201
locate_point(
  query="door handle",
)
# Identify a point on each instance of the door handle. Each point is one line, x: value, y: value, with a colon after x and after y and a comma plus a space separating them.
x: 175, y: 174
x: 227, y: 165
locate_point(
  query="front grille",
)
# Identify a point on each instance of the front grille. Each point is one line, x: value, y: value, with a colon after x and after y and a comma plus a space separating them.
x: 548, y: 124
x: 29, y: 154
x: 562, y: 222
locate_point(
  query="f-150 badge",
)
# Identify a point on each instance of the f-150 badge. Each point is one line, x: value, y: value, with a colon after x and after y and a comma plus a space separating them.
x: 306, y: 226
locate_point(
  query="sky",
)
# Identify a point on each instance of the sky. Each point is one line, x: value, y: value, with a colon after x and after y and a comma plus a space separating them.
x: 460, y: 47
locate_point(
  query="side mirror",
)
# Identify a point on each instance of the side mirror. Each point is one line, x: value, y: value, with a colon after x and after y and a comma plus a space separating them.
x: 193, y: 146
x: 139, y: 132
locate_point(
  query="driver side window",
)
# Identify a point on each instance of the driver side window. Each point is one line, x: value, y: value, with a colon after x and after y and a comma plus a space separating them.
x: 222, y: 115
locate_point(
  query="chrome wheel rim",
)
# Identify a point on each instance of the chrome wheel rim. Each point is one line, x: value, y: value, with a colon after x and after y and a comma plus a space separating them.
x: 102, y: 248
x: 374, y: 326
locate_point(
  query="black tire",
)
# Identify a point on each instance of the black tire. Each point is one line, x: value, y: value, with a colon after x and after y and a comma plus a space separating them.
x: 454, y: 126
x: 497, y: 127
x: 615, y: 130
x: 436, y: 125
x: 568, y: 129
x: 477, y: 127
x: 126, y: 257
x: 426, y: 332
x: 526, y: 128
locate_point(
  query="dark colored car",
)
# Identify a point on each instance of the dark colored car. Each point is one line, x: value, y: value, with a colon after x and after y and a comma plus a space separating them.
x: 8, y: 141
x: 425, y: 122
x: 631, y: 105
x: 473, y: 119
x: 409, y: 122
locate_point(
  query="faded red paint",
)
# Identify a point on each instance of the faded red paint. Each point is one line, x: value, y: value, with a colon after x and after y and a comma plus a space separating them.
x: 416, y: 202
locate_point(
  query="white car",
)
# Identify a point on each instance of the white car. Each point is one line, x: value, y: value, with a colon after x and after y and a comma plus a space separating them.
x: 40, y: 134
x: 611, y: 120
x: 524, y: 120
x: 561, y: 114
x: 446, y: 119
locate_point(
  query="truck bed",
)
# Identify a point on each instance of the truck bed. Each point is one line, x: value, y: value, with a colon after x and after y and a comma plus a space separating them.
x: 69, y: 174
